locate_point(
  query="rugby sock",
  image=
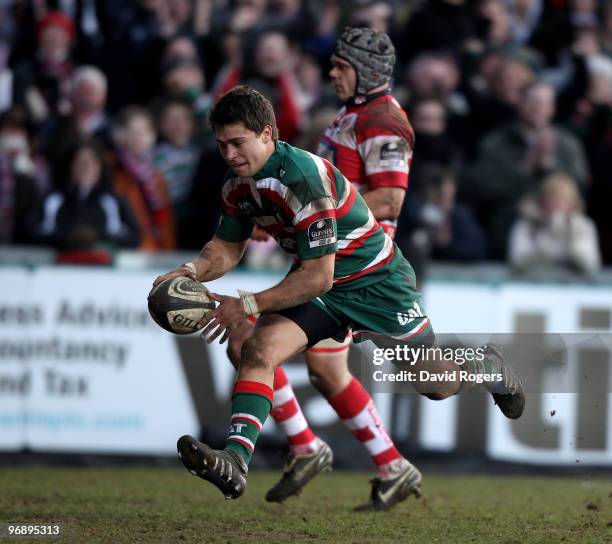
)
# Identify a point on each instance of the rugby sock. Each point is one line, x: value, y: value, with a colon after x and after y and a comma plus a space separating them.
x: 287, y: 413
x: 251, y: 404
x: 356, y: 409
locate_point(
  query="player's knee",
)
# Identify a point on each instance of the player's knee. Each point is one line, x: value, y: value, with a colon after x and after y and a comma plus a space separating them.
x: 329, y: 377
x: 316, y: 368
x: 316, y: 379
x: 255, y: 353
x: 328, y: 386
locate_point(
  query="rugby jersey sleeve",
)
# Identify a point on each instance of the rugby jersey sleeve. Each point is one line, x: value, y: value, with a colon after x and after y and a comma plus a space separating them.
x: 316, y: 232
x: 385, y: 145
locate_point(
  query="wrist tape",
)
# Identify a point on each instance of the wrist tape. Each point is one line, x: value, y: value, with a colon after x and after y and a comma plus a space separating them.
x: 249, y: 304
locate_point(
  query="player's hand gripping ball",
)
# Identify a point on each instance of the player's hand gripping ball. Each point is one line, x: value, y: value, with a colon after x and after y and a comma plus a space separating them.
x: 178, y: 304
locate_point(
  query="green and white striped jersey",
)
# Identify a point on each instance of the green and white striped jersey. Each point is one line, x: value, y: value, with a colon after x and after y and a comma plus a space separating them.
x: 312, y: 210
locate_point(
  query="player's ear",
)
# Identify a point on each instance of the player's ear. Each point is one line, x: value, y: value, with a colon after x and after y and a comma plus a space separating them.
x: 266, y: 135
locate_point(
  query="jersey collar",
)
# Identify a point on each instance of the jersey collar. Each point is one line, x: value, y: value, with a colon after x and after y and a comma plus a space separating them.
x: 270, y: 169
x: 361, y: 99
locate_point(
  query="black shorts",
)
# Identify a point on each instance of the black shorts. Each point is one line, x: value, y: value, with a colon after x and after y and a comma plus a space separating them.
x: 316, y: 323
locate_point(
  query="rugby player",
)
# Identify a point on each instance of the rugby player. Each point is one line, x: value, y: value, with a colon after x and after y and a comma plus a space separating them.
x: 348, y: 274
x: 371, y: 143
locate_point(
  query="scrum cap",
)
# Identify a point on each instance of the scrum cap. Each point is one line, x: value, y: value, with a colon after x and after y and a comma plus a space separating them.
x: 370, y: 53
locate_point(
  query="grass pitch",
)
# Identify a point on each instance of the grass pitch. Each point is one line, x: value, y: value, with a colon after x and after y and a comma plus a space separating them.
x: 166, y: 505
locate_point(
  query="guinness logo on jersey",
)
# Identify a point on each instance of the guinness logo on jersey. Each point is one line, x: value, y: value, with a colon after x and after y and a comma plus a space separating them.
x: 321, y: 232
x: 393, y: 151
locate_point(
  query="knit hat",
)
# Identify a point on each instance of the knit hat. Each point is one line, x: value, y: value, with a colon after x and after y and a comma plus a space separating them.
x: 55, y: 18
x: 370, y: 53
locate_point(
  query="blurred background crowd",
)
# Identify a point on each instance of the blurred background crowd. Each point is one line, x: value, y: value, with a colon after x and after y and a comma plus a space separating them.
x: 104, y: 141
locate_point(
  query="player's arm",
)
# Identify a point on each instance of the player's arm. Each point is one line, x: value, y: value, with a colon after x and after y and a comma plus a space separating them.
x: 385, y: 202
x: 316, y: 246
x: 216, y: 259
x: 386, y: 159
x: 313, y: 278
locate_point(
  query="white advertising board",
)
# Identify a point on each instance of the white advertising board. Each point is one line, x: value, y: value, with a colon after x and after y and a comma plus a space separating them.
x: 83, y: 368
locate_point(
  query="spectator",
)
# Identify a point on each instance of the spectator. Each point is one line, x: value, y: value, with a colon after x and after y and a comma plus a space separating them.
x: 242, y: 15
x: 184, y: 79
x: 176, y: 157
x: 313, y: 92
x: 139, y: 182
x: 136, y: 35
x: 375, y: 14
x: 437, y: 76
x: 297, y: 18
x: 525, y: 16
x: 437, y: 225
x: 42, y: 84
x: 438, y: 24
x: 271, y: 73
x: 559, y: 25
x: 592, y: 109
x: 495, y: 93
x: 180, y: 16
x: 435, y: 144
x: 86, y: 214
x: 23, y: 179
x: 553, y: 233
x: 512, y: 160
x: 86, y: 121
x: 497, y: 21
x: 180, y: 49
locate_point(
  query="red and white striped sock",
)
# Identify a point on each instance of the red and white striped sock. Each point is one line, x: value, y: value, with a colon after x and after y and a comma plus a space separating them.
x: 356, y: 409
x: 287, y: 413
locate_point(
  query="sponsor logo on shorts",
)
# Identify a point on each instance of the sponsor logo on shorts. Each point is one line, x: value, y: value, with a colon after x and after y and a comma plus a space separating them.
x: 404, y: 318
x: 321, y: 232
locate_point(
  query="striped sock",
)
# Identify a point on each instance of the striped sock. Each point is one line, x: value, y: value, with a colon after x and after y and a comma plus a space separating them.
x: 251, y: 404
x: 356, y: 409
x: 287, y: 413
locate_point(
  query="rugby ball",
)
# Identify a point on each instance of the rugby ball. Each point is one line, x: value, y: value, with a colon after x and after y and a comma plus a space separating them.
x: 177, y: 304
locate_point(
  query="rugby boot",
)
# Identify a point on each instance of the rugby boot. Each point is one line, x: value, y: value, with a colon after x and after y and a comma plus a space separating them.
x: 223, y: 468
x: 387, y: 493
x: 507, y: 394
x: 299, y: 470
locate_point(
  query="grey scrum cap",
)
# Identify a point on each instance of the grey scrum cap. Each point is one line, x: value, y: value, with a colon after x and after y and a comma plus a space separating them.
x: 370, y: 53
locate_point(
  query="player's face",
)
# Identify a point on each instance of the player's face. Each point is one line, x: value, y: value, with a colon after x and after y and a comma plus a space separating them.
x: 242, y: 149
x: 343, y: 78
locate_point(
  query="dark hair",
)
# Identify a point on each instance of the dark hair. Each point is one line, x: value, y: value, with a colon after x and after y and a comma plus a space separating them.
x: 244, y: 105
x: 104, y: 181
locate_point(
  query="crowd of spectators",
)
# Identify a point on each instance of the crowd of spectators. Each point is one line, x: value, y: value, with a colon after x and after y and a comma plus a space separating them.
x: 104, y: 141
